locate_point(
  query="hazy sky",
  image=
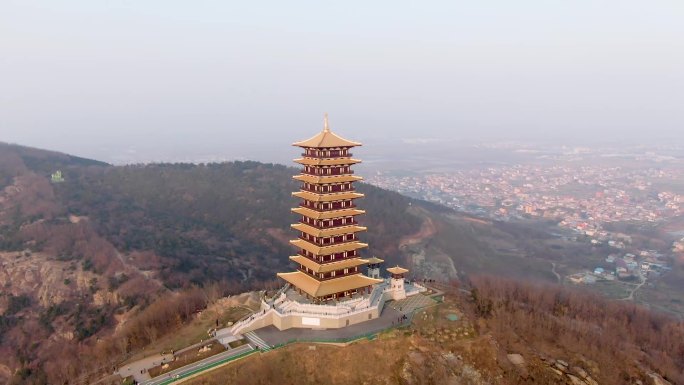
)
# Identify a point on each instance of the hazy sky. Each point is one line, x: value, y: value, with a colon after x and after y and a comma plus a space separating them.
x: 98, y: 78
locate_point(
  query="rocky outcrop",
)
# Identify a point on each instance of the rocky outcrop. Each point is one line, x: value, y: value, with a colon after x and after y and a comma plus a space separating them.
x: 571, y: 375
x: 45, y: 279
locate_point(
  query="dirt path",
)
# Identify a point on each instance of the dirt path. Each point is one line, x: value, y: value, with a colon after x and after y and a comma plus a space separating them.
x: 630, y: 297
x: 553, y: 270
x: 130, y: 266
x: 427, y: 230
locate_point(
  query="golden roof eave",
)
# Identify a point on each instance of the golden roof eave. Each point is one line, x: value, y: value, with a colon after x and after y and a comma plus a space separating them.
x: 326, y: 139
x: 375, y: 260
x: 329, y: 197
x: 330, y: 266
x: 327, y: 250
x: 397, y: 270
x: 317, y: 288
x: 313, y: 214
x: 327, y: 232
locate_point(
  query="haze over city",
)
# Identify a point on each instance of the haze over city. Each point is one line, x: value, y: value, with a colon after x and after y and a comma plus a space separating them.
x: 142, y: 81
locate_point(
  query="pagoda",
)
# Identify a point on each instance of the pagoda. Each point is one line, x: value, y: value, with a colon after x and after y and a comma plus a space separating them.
x: 328, y: 248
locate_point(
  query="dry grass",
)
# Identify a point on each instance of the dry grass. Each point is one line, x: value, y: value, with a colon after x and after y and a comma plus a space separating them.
x: 192, y: 333
x: 414, y: 355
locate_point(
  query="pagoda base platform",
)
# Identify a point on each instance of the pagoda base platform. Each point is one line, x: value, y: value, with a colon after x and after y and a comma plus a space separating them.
x: 288, y: 309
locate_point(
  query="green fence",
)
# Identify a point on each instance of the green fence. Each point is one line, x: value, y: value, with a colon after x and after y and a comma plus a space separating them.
x: 213, y: 365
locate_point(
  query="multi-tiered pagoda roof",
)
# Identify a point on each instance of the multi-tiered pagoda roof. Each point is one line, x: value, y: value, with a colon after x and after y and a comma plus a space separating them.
x: 328, y: 248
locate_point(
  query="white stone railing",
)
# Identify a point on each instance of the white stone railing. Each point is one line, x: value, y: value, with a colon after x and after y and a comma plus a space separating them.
x: 282, y: 306
x: 297, y: 311
x: 280, y: 293
x: 238, y: 326
x: 292, y: 306
x: 420, y: 287
x: 414, y: 288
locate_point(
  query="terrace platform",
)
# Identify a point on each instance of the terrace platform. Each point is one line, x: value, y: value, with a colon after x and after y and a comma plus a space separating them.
x: 287, y: 309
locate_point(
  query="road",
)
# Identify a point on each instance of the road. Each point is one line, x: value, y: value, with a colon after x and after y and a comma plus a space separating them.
x: 197, y: 366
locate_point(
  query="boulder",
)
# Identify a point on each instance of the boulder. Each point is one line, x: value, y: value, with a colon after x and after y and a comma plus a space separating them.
x: 516, y: 359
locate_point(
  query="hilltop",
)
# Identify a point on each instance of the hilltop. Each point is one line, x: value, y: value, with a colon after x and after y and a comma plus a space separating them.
x: 498, y: 331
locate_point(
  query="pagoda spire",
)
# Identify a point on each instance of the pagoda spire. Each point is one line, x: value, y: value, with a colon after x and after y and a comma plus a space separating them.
x: 326, y: 127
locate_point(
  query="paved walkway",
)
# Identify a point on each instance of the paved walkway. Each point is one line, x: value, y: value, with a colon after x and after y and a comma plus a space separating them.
x: 138, y: 369
x: 408, y: 305
x: 257, y: 341
x: 198, y: 366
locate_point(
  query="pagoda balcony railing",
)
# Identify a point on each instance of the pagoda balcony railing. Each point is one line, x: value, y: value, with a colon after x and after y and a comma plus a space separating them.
x: 335, y: 257
x: 332, y: 190
x: 334, y: 243
x: 333, y: 155
x: 333, y: 208
x: 334, y: 225
x: 333, y: 173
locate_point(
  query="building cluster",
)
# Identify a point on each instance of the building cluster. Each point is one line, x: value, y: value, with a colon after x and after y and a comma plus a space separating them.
x: 645, y: 265
x: 678, y: 246
x: 577, y: 197
x: 582, y: 198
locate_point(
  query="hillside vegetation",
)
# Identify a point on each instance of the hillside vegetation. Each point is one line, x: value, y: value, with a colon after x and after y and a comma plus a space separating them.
x: 86, y: 256
x: 113, y: 259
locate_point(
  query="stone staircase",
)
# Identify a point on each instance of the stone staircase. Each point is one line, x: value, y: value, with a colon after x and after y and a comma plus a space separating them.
x: 257, y: 341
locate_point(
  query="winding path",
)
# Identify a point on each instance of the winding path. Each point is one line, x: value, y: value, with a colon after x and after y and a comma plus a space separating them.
x: 630, y: 297
x: 553, y: 270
